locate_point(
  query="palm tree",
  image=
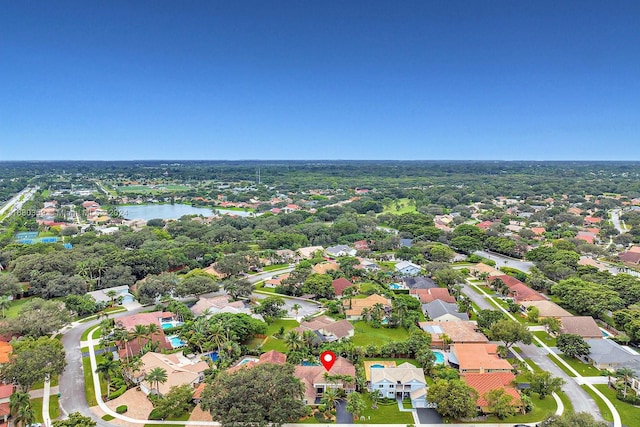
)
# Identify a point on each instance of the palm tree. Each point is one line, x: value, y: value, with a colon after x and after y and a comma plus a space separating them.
x: 112, y: 296
x: 625, y: 374
x: 25, y: 416
x: 18, y: 400
x: 330, y: 397
x: 107, y: 368
x: 309, y: 339
x: 296, y: 308
x: 5, y: 303
x: 157, y: 376
x: 293, y: 341
x: 139, y: 332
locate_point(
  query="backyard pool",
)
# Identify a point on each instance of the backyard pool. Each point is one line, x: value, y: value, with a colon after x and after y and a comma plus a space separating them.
x: 176, y: 342
x: 439, y: 357
x: 172, y: 324
x: 247, y: 360
x: 376, y: 366
x: 396, y: 286
x: 605, y: 333
x: 213, y: 356
x: 308, y: 363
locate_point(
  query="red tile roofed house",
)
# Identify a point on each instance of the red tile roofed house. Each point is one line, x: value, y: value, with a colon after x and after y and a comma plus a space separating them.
x: 484, y: 383
x: 5, y: 351
x: 484, y: 225
x: 629, y: 257
x: 339, y: 285
x: 315, y: 383
x: 271, y: 356
x: 518, y: 290
x: 134, y: 347
x: 6, y: 390
x: 574, y: 211
x: 584, y: 326
x: 460, y: 332
x: 276, y: 281
x: 539, y: 231
x: 129, y: 322
x: 478, y: 359
x: 361, y: 245
x: 586, y: 236
x: 90, y: 204
x: 634, y: 249
x: 592, y: 220
x: 428, y: 295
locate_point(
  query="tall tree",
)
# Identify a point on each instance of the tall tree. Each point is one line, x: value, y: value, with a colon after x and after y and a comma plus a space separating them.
x: 544, y: 383
x: 499, y: 403
x: 76, y: 419
x: 107, y: 368
x: 510, y: 332
x: 265, y: 394
x: 355, y: 404
x: 455, y: 399
x: 32, y: 361
x: 573, y: 345
x: 156, y: 376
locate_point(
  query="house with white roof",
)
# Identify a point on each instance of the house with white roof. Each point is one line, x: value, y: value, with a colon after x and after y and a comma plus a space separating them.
x: 398, y: 382
x: 407, y: 268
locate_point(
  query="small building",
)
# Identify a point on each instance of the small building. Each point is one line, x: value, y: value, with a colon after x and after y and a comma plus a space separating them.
x: 339, y: 285
x: 607, y: 354
x: 340, y: 251
x: 486, y: 382
x: 354, y: 307
x: 584, y: 326
x: 327, y: 329
x: 477, y: 359
x: 439, y: 311
x: 316, y: 382
x: 428, y: 295
x: 398, y: 382
x: 407, y: 268
x: 458, y: 332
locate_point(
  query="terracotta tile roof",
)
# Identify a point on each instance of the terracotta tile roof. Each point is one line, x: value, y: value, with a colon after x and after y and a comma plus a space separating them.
x: 312, y: 375
x: 6, y: 390
x: 197, y: 394
x: 480, y: 358
x: 584, y: 326
x: 522, y: 293
x: 133, y: 347
x: 592, y: 220
x: 484, y: 224
x: 5, y: 409
x: 325, y: 267
x: 273, y: 356
x: 484, y: 268
x: 538, y: 230
x: 630, y: 257
x: 5, y: 351
x: 484, y: 383
x: 339, y: 285
x: 130, y: 322
x: 460, y: 332
x: 432, y: 294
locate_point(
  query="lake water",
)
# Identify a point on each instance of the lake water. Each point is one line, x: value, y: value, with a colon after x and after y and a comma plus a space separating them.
x: 167, y: 211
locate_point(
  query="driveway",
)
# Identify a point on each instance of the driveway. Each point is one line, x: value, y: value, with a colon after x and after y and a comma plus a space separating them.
x: 428, y: 416
x: 342, y: 416
x: 580, y: 399
x: 306, y: 308
x: 478, y: 299
x: 505, y: 261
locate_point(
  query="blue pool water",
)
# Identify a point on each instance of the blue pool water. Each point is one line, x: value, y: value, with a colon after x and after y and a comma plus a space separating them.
x: 247, y: 360
x: 376, y: 366
x: 605, y: 333
x: 439, y: 357
x: 395, y: 286
x: 169, y: 325
x: 308, y: 363
x: 213, y: 356
x: 176, y: 342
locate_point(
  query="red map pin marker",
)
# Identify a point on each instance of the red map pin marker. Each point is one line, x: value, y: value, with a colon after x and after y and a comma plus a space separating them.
x: 328, y: 358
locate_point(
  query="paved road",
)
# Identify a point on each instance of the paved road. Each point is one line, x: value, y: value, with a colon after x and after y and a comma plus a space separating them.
x: 615, y: 218
x: 478, y: 299
x: 505, y: 261
x: 580, y: 399
x: 15, y: 203
x: 71, y: 385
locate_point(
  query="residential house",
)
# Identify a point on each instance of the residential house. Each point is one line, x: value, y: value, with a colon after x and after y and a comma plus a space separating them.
x: 439, y: 311
x: 6, y: 390
x: 339, y: 285
x: 180, y: 371
x: 590, y: 220
x: 271, y: 356
x: 353, y: 307
x: 316, y: 379
x: 368, y: 265
x: 309, y: 251
x: 428, y: 295
x: 587, y: 236
x: 327, y: 329
x: 518, y: 290
x: 481, y: 268
x: 406, y: 243
x: 407, y: 268
x: 457, y: 332
x: 157, y: 317
x: 340, y: 250
x: 547, y: 308
x: 287, y: 256
x: 325, y: 267
x: 607, y: 354
x: 631, y: 257
x: 419, y: 282
x: 361, y: 245
x: 588, y: 261
x: 477, y: 359
x: 276, y: 280
x: 218, y: 304
x: 5, y: 351
x: 486, y: 382
x: 398, y: 382
x: 584, y: 326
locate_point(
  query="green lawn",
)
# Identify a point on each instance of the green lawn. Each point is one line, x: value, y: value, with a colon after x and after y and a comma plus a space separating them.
x: 568, y: 406
x: 398, y: 361
x: 365, y: 334
x: 88, y: 383
x: 582, y: 368
x: 15, y: 307
x: 277, y: 324
x: 403, y: 206
x: 275, y: 344
x: 275, y: 267
x: 85, y: 334
x: 545, y: 338
x: 54, y: 407
x: 384, y: 414
x: 629, y: 414
x: 541, y: 410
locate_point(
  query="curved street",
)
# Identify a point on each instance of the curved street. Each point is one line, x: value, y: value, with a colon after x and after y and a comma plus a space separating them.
x: 505, y: 261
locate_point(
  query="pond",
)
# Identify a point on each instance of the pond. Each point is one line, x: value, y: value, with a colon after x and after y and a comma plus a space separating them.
x: 168, y: 211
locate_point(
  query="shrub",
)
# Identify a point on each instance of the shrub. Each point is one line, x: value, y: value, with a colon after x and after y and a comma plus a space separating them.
x: 121, y: 409
x: 108, y: 417
x: 119, y: 392
x: 156, y: 415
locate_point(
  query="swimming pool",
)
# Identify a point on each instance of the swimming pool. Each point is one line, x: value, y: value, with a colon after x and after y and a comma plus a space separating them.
x: 605, y: 333
x: 247, y: 360
x: 308, y: 363
x: 395, y: 286
x: 213, y: 356
x: 176, y: 342
x: 439, y: 357
x: 376, y: 366
x: 169, y: 325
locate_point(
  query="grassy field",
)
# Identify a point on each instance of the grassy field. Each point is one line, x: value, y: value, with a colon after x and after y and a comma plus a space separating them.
x: 398, y: 361
x: 54, y: 407
x: 88, y: 383
x: 365, y: 334
x: 629, y: 414
x: 14, y: 308
x: 545, y: 338
x: 542, y: 408
x: 604, y: 409
x: 582, y: 368
x: 399, y: 207
x: 85, y: 334
x: 275, y: 267
x: 276, y: 325
x: 275, y: 344
x: 384, y: 414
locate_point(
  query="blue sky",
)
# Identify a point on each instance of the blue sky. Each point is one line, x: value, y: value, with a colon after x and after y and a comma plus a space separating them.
x: 540, y: 80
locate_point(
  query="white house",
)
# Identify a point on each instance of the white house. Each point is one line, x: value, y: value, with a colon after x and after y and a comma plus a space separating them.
x: 398, y: 382
x: 340, y: 250
x: 407, y: 268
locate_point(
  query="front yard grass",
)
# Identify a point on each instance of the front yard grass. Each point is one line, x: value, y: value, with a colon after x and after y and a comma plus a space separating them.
x: 85, y: 334
x: 542, y: 408
x: 365, y: 334
x: 604, y: 409
x: 88, y: 382
x: 274, y: 327
x: 581, y: 368
x: 628, y: 413
x: 545, y: 338
x: 275, y: 344
x: 398, y: 361
x: 15, y: 307
x: 384, y: 414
